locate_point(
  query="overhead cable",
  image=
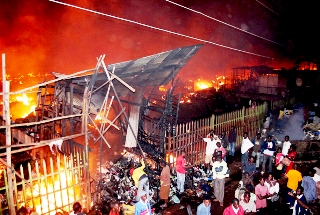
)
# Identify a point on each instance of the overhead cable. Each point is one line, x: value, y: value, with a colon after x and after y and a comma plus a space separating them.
x: 217, y: 20
x: 159, y: 29
x: 267, y: 8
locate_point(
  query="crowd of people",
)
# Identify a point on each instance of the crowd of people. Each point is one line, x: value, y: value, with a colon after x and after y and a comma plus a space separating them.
x: 264, y: 161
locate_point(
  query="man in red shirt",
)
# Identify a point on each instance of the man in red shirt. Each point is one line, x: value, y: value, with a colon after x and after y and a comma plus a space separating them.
x: 181, y: 166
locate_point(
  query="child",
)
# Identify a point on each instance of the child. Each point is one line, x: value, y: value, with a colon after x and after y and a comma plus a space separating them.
x: 278, y: 164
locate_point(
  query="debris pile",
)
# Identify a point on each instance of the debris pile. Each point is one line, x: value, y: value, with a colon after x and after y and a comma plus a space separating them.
x: 116, y: 184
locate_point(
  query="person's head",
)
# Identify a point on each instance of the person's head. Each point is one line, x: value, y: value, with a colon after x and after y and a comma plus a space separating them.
x: 269, y: 138
x: 245, y: 135
x: 211, y: 132
x: 292, y: 148
x: 211, y: 136
x: 279, y: 150
x: 246, y: 197
x: 143, y: 195
x: 270, y: 176
x: 261, y: 180
x: 249, y: 188
x: 223, y: 133
x: 286, y: 138
x: 23, y: 211
x: 77, y: 207
x: 219, y: 158
x: 258, y: 135
x: 183, y: 153
x: 218, y: 144
x: 295, y: 166
x: 299, y: 190
x: 246, y: 174
x: 163, y: 163
x: 251, y: 159
x: 115, y: 206
x: 206, y: 200
x: 233, y: 128
x: 235, y: 203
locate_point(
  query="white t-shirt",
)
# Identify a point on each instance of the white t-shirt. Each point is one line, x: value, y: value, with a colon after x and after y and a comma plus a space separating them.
x: 285, y: 147
x: 211, y: 145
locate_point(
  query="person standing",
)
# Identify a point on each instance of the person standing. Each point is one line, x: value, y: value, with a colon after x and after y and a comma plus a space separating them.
x: 232, y: 141
x: 250, y: 167
x: 181, y: 166
x: 210, y: 149
x: 220, y: 169
x: 165, y: 183
x: 300, y: 202
x: 143, y: 206
x: 262, y: 193
x: 234, y: 208
x: 141, y: 180
x: 257, y: 142
x: 268, y: 148
x: 220, y: 149
x: 294, y: 177
x: 309, y: 186
x: 286, y: 145
x: 246, y: 145
x: 205, y: 207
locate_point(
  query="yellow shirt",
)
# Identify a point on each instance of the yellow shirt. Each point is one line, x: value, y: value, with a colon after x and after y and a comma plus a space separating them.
x: 137, y: 173
x: 294, y: 177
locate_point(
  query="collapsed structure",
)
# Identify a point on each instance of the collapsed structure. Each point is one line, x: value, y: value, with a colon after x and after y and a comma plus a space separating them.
x: 69, y: 106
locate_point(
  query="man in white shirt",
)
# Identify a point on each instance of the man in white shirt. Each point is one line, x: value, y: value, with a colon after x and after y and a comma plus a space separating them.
x: 210, y: 148
x: 286, y: 145
x: 219, y: 168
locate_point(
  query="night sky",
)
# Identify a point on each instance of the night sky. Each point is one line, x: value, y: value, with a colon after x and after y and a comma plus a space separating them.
x: 40, y: 36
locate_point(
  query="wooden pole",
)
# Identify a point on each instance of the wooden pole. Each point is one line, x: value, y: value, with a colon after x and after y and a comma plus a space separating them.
x: 6, y: 113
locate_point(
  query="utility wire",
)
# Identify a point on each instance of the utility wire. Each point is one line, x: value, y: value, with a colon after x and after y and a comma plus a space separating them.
x: 268, y: 8
x: 217, y: 20
x: 160, y: 29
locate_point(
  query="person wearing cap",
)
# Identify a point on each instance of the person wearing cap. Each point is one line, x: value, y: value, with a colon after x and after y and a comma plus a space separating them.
x: 143, y: 206
x: 140, y: 179
x: 220, y: 169
x: 205, y: 207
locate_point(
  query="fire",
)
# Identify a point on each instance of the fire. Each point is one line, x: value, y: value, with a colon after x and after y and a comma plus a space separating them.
x: 200, y: 85
x: 50, y: 196
x: 27, y: 105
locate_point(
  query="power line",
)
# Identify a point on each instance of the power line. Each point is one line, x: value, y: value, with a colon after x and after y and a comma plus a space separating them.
x: 268, y: 8
x: 160, y: 29
x: 217, y: 20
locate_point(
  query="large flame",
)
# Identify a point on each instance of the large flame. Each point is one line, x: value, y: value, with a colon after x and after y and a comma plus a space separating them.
x: 25, y: 105
x: 48, y: 196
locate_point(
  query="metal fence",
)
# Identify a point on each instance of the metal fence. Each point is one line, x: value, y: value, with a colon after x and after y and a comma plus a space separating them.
x: 189, y: 136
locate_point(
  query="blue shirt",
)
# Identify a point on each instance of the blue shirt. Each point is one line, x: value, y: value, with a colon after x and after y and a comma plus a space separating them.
x: 203, y: 210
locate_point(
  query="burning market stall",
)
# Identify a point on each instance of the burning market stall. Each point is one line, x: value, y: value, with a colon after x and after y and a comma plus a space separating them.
x: 87, y: 104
